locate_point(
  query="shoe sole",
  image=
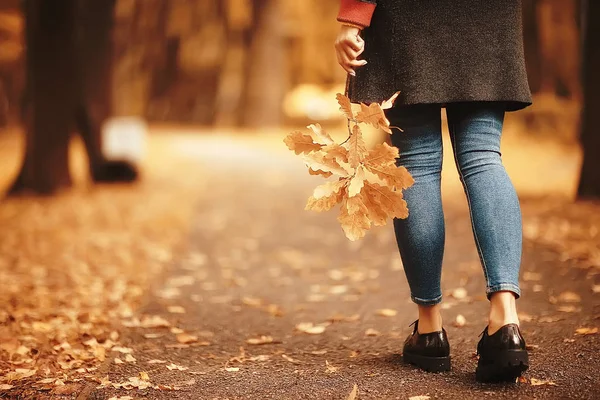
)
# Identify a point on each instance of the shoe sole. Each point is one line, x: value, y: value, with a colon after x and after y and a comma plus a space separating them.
x: 429, y: 364
x: 507, y: 366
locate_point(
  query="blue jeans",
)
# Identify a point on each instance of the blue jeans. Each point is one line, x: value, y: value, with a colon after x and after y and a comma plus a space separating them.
x: 475, y: 130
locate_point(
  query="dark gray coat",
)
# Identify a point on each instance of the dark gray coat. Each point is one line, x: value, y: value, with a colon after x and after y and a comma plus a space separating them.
x: 444, y: 51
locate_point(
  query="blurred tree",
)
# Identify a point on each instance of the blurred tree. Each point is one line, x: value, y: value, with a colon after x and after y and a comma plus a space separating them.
x: 589, y: 184
x: 68, y: 60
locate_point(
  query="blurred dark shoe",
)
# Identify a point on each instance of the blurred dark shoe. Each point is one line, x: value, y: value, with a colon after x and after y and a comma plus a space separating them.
x: 502, y: 356
x: 115, y: 172
x: 428, y: 351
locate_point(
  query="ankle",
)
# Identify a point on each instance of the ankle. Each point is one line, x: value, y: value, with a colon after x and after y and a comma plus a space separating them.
x: 503, y: 311
x: 430, y: 319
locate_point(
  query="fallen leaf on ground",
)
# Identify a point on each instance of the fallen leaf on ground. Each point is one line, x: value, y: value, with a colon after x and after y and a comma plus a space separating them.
x: 539, y: 382
x: 6, y: 387
x: 252, y: 301
x: 421, y: 397
x: 386, y: 312
x: 318, y: 352
x: 261, y: 358
x: 586, y: 331
x: 176, y: 310
x: 121, y: 398
x: 459, y: 293
x: 568, y: 340
x: 186, y: 338
x: 531, y: 347
x: 260, y: 340
x: 310, y: 328
x: 372, y: 332
x: 460, y: 321
x: 353, y: 395
x: 525, y: 317
x: 157, y: 362
x: 154, y: 321
x: 596, y: 288
x: 569, y: 309
x: 153, y: 335
x: 232, y: 369
x: 549, y: 319
x: 175, y: 330
x: 118, y: 361
x: 173, y: 366
x: 330, y: 369
x: 532, y: 276
x: 569, y: 297
x: 144, y: 376
x: 290, y: 359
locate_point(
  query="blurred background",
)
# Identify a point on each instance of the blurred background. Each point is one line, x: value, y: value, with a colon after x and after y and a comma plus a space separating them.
x: 222, y: 64
x: 136, y: 135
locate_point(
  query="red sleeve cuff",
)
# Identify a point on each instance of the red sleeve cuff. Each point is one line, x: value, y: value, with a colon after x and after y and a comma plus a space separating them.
x: 356, y: 12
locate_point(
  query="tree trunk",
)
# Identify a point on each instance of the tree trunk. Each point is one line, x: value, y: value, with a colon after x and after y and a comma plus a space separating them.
x: 51, y: 65
x: 589, y: 184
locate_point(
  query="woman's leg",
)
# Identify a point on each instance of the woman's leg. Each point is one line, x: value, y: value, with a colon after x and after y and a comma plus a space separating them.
x: 475, y: 130
x: 421, y: 236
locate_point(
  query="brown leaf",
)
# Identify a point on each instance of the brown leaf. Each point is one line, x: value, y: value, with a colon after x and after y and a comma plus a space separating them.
x: 154, y: 321
x: 373, y: 115
x: 144, y: 376
x: 173, y: 366
x: 460, y: 321
x: 569, y: 309
x: 301, y: 143
x: 260, y: 340
x: 353, y: 395
x: 310, y: 328
x: 357, y: 148
x: 538, y: 382
x: 321, y: 161
x: 186, y: 338
x: 357, y: 182
x: 387, y: 104
x: 176, y: 310
x: 386, y: 312
x: 5, y: 386
x: 420, y: 397
x: 326, y: 196
x: 354, y: 218
x: 319, y: 136
x: 569, y: 297
x: 372, y: 332
x: 330, y: 369
x: 232, y: 369
x: 345, y: 105
x: 459, y: 293
x: 586, y: 331
x: 130, y: 359
x: 290, y: 359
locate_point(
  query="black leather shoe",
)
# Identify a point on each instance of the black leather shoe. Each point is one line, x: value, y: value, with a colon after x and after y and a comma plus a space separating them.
x: 502, y: 356
x: 428, y: 351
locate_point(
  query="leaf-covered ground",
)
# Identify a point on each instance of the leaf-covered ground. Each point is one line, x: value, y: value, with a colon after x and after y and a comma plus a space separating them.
x: 209, y: 281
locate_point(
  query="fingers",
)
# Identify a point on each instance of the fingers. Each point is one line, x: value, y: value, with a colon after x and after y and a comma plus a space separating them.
x: 349, y: 64
x: 348, y: 49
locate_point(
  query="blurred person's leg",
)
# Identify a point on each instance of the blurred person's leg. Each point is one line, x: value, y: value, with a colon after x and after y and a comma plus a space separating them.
x: 475, y: 130
x: 421, y: 236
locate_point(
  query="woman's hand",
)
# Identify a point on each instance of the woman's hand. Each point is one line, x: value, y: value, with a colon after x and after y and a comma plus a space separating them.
x: 348, y: 46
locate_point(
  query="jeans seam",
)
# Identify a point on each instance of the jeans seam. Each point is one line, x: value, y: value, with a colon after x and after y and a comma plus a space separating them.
x: 420, y: 301
x: 479, y: 250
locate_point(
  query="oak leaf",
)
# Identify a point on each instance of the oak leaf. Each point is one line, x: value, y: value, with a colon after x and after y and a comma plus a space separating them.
x: 373, y: 115
x: 301, y: 143
x: 369, y: 183
x: 345, y: 106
